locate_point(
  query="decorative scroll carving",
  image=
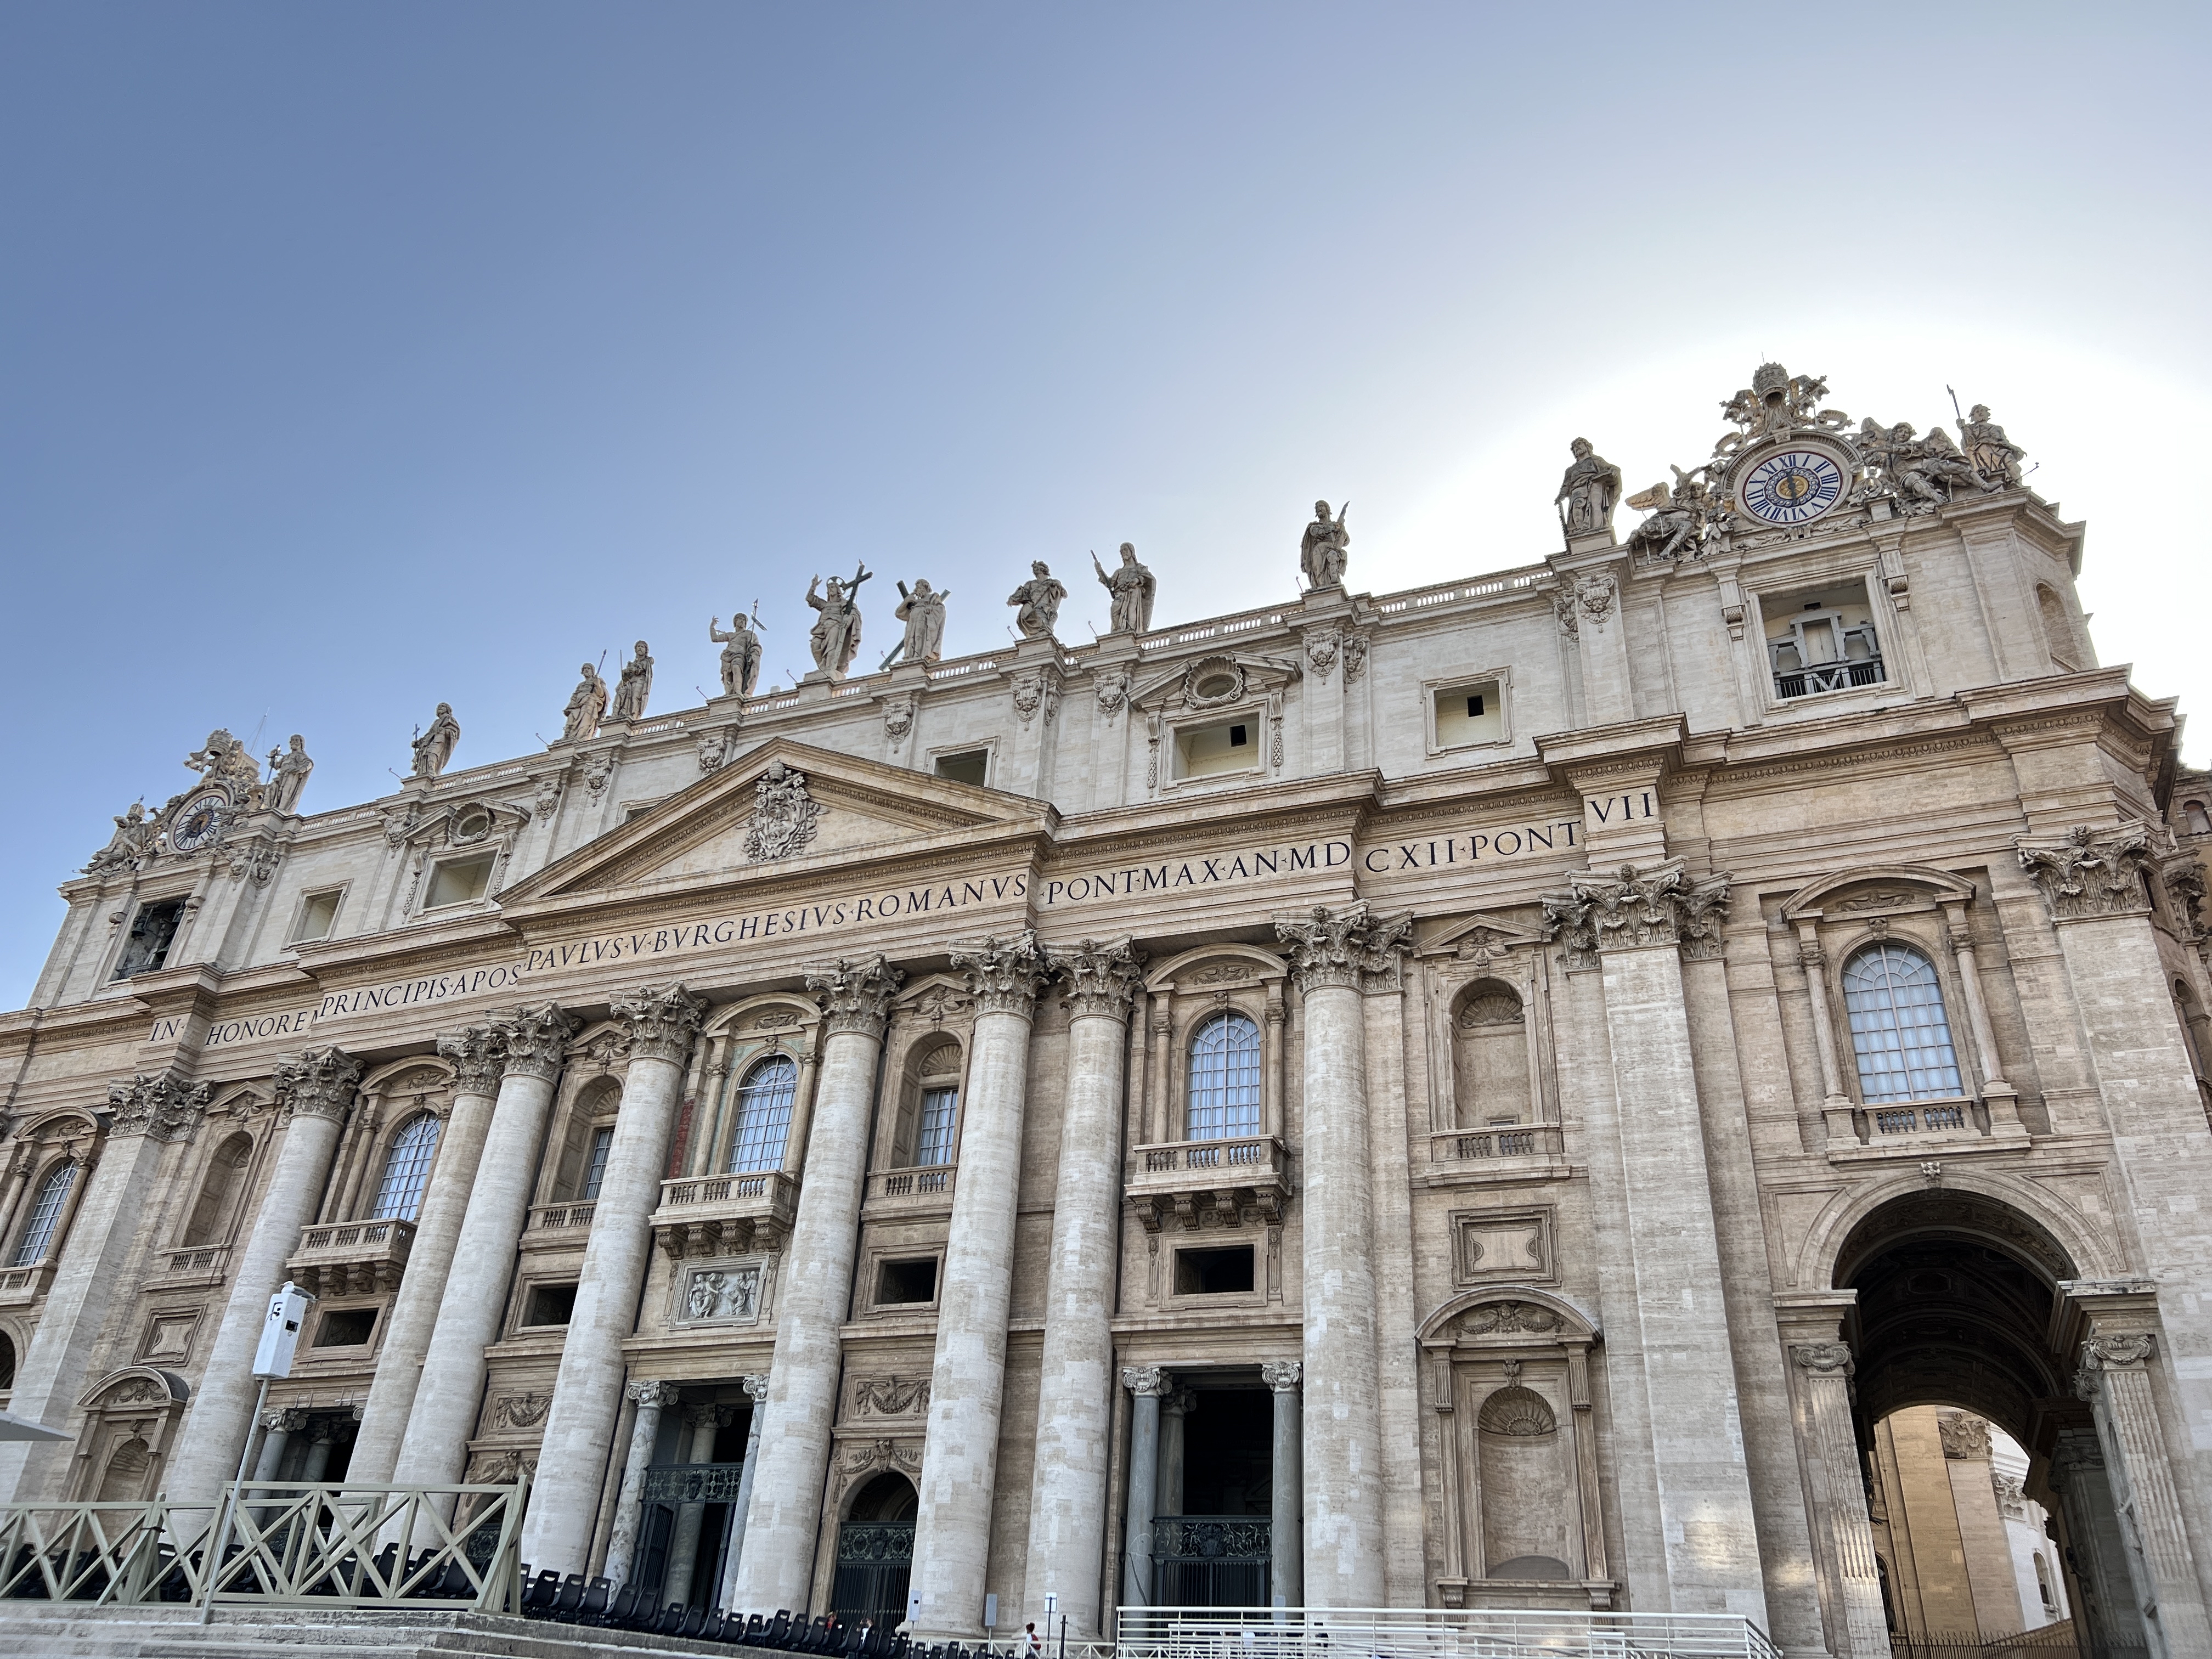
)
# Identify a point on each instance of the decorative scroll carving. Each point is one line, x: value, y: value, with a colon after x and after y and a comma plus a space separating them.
x: 890, y: 1396
x: 654, y: 1393
x: 1102, y: 979
x: 1824, y: 1357
x: 1510, y: 1318
x: 520, y: 1410
x: 2182, y: 875
x: 2111, y: 1353
x: 662, y: 1024
x: 883, y: 1455
x: 898, y: 716
x: 1003, y: 974
x: 784, y: 814
x: 321, y: 1083
x: 714, y: 749
x: 1112, y: 686
x: 856, y: 996
x: 477, y: 1057
x: 535, y: 1039
x: 1282, y: 1376
x: 1355, y: 659
x: 1335, y: 947
x: 1322, y: 645
x: 1590, y: 601
x: 2093, y: 872
x: 157, y: 1104
x: 1636, y: 909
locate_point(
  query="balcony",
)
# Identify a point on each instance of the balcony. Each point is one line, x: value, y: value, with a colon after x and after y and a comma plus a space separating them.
x: 1932, y: 1117
x: 725, y: 1215
x: 1500, y: 1140
x: 352, y: 1258
x: 21, y: 1284
x: 196, y: 1264
x: 1828, y: 677
x: 555, y: 1226
x: 920, y: 1189
x: 1186, y: 1181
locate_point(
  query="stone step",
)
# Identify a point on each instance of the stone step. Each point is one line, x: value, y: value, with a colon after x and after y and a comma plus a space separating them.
x: 38, y: 1629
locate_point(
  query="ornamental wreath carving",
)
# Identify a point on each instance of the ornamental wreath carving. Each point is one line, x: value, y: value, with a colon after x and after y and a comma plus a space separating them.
x: 1510, y: 1318
x: 2093, y: 872
x: 520, y: 1410
x: 784, y: 814
x: 890, y: 1396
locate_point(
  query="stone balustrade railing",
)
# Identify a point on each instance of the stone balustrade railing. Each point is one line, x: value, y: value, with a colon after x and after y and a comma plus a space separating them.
x: 1499, y: 1140
x: 570, y: 1222
x: 26, y: 1284
x: 725, y: 1215
x: 922, y: 1187
x: 1921, y: 1117
x: 1232, y: 1178
x: 352, y: 1258
x: 194, y: 1263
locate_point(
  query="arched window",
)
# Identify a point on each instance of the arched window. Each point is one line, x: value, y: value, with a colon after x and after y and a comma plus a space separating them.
x: 46, y: 1218
x: 216, y: 1189
x: 1225, y: 1079
x: 1898, y: 1031
x: 764, y: 1115
x: 407, y: 1170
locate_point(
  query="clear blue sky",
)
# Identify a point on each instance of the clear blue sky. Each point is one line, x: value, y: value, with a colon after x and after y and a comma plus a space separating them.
x: 352, y: 358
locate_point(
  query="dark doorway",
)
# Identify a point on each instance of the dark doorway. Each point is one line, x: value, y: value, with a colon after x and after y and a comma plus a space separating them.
x: 1216, y: 1553
x: 875, y: 1552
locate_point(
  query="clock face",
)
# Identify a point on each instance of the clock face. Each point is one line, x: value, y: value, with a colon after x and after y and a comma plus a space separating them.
x: 199, y: 821
x: 1794, y: 487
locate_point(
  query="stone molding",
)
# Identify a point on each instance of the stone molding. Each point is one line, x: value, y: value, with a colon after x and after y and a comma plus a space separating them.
x: 855, y: 995
x: 1147, y: 1380
x: 478, y: 1055
x: 534, y: 1040
x: 1824, y: 1359
x: 1333, y: 948
x: 1282, y: 1376
x: 1004, y: 974
x: 321, y: 1083
x: 661, y: 1023
x: 653, y: 1394
x: 1638, y: 909
x: 2091, y: 872
x: 1102, y: 980
x: 156, y: 1103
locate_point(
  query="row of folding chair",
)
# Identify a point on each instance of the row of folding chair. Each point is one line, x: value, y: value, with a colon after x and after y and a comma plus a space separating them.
x: 576, y: 1600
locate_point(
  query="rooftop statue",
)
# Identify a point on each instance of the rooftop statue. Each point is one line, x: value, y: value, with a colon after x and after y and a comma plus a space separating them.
x: 922, y: 610
x: 635, y: 687
x: 1588, y: 491
x: 434, y: 747
x: 1325, y: 548
x: 741, y: 652
x: 1991, y: 454
x: 224, y: 761
x: 1039, y: 601
x: 1131, y: 588
x: 837, y: 634
x: 129, y: 847
x: 1679, y: 516
x: 287, y: 775
x: 587, y: 705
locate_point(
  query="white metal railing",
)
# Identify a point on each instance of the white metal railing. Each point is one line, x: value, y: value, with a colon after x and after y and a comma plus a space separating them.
x: 1432, y: 1633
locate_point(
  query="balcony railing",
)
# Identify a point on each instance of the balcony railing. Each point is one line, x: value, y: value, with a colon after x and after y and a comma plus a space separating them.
x: 559, y: 1223
x: 1936, y: 1117
x: 725, y: 1215
x: 1184, y: 1181
x: 1828, y: 677
x: 920, y: 1187
x: 692, y: 1483
x: 196, y: 1263
x: 27, y: 1284
x: 352, y: 1258
x: 1499, y: 1141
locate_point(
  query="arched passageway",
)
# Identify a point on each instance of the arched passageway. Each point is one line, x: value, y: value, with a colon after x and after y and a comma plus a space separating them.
x: 875, y: 1551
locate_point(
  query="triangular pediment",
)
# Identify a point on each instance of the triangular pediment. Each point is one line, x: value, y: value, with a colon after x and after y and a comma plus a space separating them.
x: 1478, y: 934
x: 780, y: 805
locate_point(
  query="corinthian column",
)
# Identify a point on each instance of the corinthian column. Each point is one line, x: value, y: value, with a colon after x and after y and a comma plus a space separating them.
x: 960, y: 1454
x: 777, y: 1567
x: 1824, y: 1370
x: 1075, y: 1392
x: 145, y: 1115
x: 1284, y: 1586
x: 580, y: 1425
x: 317, y: 1091
x: 449, y: 1391
x: 629, y: 1503
x: 1329, y: 952
x: 477, y: 1055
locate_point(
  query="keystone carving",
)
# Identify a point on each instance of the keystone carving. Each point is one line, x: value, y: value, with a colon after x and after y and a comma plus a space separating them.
x: 2093, y: 872
x: 662, y: 1024
x: 1102, y: 979
x: 156, y: 1104
x: 1636, y: 909
x: 1004, y: 974
x: 1335, y: 947
x: 321, y: 1083
x: 477, y: 1057
x: 855, y: 996
x: 535, y: 1040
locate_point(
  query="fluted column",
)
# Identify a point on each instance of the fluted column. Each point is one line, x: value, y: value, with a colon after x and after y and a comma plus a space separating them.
x: 477, y: 1057
x: 704, y: 1424
x: 317, y: 1091
x: 1146, y: 1384
x: 1075, y: 1389
x: 630, y: 1505
x: 1284, y: 1585
x: 2115, y: 1379
x: 146, y: 1114
x: 1824, y: 1370
x: 449, y: 1391
x: 2104, y: 1598
x: 960, y: 1452
x: 756, y: 1391
x: 580, y: 1427
x: 1330, y: 952
x: 784, y: 1513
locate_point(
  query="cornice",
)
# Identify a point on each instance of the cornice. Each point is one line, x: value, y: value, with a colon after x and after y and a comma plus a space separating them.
x: 1595, y: 748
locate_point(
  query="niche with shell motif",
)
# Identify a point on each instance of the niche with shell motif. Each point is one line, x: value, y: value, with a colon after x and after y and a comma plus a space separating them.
x: 1490, y: 1056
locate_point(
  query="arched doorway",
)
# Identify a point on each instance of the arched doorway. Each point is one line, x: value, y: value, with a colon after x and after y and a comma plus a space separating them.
x: 875, y: 1551
x: 1959, y: 1306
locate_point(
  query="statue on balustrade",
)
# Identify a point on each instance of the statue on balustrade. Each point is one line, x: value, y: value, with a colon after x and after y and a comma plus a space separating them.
x: 635, y: 686
x: 837, y: 634
x: 741, y: 652
x: 1324, y: 550
x: 587, y: 706
x: 1038, y: 599
x: 1588, y: 491
x: 1130, y: 588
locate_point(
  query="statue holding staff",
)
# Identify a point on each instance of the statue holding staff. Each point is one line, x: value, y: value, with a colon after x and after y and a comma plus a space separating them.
x: 741, y: 652
x: 587, y: 705
x: 635, y: 686
x: 1325, y: 548
x: 1131, y: 588
x: 835, y: 637
x: 923, y: 612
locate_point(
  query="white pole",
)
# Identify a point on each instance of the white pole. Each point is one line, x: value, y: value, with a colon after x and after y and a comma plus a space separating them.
x: 221, y: 1532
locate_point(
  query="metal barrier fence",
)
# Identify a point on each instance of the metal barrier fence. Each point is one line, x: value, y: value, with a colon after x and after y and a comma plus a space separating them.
x: 1432, y: 1633
x: 282, y: 1544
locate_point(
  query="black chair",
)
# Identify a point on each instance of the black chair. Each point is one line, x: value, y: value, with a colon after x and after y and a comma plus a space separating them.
x: 537, y: 1600
x: 593, y: 1609
x: 568, y: 1599
x: 670, y: 1621
x: 620, y: 1610
x: 755, y: 1633
x: 778, y: 1634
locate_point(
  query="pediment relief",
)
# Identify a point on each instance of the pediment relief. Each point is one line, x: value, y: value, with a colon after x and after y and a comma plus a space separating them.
x: 783, y: 802
x: 773, y: 1016
x: 415, y: 1074
x: 1477, y: 937
x: 940, y: 1001
x: 462, y: 823
x: 1217, y: 967
x: 135, y: 1385
x: 1877, y: 889
x: 1212, y: 682
x: 604, y: 1045
x: 1513, y: 1316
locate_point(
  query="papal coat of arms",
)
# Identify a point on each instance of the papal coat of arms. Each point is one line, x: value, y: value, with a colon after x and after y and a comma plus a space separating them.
x: 783, y: 814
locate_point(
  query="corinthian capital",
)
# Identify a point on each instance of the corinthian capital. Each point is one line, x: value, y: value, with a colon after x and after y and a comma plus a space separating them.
x: 1102, y: 979
x: 535, y: 1040
x: 155, y: 1104
x: 477, y: 1057
x: 1335, y: 947
x: 662, y: 1024
x: 321, y: 1083
x: 1146, y: 1379
x: 855, y: 996
x: 1636, y: 909
x: 1003, y: 974
x: 1281, y: 1375
x: 2091, y: 872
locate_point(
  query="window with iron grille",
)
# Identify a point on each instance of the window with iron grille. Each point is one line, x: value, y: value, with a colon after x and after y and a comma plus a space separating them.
x: 1225, y: 1079
x: 407, y: 1170
x: 1898, y: 1030
x: 46, y: 1215
x: 764, y: 1115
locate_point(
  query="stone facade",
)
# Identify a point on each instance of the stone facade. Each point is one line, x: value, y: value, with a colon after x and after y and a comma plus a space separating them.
x: 1477, y: 1097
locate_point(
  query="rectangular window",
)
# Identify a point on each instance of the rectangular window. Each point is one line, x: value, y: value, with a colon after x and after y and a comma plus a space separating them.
x: 596, y: 1170
x: 458, y: 881
x: 318, y: 913
x: 550, y: 1304
x: 940, y: 1115
x: 1822, y: 639
x: 1469, y: 713
x: 345, y: 1327
x: 903, y: 1282
x: 1213, y: 1272
x: 1201, y: 751
x: 153, y: 931
x: 968, y: 766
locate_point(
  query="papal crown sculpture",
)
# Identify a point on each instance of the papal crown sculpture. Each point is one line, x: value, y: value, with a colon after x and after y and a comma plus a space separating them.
x: 1501, y: 1095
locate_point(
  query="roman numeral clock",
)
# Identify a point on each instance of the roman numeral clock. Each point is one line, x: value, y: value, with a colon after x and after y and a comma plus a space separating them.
x: 1791, y: 486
